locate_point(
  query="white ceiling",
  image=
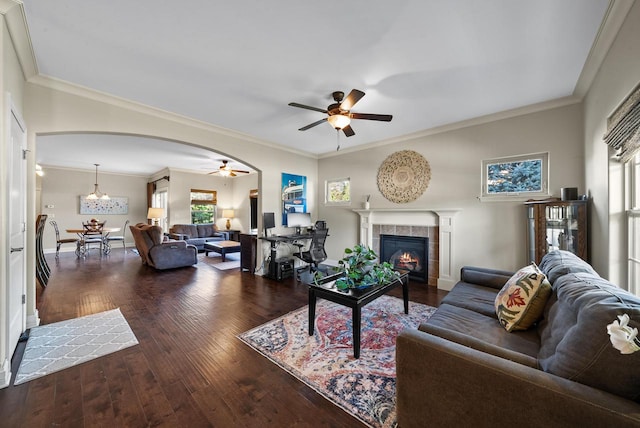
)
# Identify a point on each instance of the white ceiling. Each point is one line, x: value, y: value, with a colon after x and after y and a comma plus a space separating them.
x: 237, y: 65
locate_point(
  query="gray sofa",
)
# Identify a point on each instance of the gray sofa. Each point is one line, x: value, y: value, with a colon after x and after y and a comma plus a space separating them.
x: 462, y: 368
x: 159, y: 253
x: 197, y: 234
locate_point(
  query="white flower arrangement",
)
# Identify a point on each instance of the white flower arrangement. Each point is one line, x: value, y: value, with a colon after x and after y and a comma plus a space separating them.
x: 624, y: 338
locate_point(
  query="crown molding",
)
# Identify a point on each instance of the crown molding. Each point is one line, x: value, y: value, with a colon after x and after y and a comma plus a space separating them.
x: 46, y: 167
x: 506, y: 114
x: 5, y: 5
x: 614, y: 18
x: 16, y: 20
x: 103, y: 97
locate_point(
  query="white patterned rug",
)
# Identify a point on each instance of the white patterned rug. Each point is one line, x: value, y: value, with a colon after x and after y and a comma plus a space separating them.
x: 232, y: 261
x: 57, y: 346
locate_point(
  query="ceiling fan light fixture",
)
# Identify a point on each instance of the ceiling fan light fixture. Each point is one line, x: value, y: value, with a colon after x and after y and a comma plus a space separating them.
x: 339, y: 121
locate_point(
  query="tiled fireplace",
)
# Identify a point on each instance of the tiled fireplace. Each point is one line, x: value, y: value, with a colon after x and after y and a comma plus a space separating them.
x: 406, y: 252
x: 436, y: 225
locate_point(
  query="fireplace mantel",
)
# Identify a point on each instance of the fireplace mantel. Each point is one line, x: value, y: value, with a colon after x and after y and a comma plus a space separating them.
x: 443, y: 218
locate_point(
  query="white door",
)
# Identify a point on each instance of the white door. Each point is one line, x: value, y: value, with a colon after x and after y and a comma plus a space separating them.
x: 16, y: 288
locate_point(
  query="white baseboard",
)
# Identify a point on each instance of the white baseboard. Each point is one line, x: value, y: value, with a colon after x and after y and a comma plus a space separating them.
x: 33, y: 320
x: 445, y: 284
x: 5, y: 374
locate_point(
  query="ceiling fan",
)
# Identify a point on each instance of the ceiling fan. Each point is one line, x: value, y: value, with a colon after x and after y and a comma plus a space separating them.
x: 226, y: 171
x: 339, y: 114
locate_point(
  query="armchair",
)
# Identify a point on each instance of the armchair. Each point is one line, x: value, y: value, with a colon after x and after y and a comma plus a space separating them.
x: 161, y: 254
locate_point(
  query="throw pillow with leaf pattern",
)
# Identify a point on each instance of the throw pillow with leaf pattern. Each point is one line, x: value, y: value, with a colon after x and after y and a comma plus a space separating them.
x: 521, y: 301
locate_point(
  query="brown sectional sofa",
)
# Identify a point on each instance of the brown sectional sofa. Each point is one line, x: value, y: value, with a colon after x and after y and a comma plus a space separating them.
x: 462, y: 368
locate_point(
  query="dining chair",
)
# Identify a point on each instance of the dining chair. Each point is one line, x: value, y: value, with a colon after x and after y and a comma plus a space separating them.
x: 111, y: 238
x: 60, y: 241
x: 92, y: 234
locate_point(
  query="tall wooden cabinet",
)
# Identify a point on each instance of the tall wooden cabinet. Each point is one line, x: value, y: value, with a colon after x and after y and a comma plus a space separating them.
x: 556, y: 225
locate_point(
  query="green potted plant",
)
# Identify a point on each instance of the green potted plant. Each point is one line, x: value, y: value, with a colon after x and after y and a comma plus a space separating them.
x: 361, y: 269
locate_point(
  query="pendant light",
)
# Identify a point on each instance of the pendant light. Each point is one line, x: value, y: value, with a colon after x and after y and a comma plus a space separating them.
x: 97, y: 194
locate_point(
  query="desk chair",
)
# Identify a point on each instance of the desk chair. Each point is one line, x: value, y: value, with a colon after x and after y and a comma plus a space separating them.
x: 59, y: 241
x: 111, y: 238
x: 316, y: 253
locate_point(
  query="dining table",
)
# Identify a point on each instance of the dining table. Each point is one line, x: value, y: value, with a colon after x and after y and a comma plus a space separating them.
x: 81, y: 248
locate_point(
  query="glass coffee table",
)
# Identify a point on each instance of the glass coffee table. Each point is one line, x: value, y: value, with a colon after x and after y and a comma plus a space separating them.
x: 354, y: 298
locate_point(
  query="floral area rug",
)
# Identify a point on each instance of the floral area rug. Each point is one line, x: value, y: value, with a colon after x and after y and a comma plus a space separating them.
x: 364, y: 387
x: 57, y: 346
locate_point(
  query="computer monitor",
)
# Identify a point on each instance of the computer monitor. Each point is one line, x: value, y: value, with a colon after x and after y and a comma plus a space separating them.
x: 268, y: 222
x: 299, y: 220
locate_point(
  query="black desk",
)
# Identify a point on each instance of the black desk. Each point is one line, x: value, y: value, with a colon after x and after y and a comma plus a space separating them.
x: 274, y: 240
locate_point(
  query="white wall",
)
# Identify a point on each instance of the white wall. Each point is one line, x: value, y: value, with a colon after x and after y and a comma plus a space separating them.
x: 62, y: 189
x: 180, y: 187
x: 618, y: 75
x: 232, y: 193
x: 242, y: 185
x: 490, y: 234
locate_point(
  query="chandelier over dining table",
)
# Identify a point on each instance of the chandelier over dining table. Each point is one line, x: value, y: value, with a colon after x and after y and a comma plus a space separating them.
x: 97, y: 194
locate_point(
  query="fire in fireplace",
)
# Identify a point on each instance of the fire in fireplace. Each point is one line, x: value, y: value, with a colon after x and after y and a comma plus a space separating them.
x: 406, y: 252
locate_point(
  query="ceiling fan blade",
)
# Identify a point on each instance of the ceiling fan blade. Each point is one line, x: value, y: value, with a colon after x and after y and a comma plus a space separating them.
x: 348, y: 131
x: 321, y: 110
x: 241, y: 171
x: 368, y: 116
x: 311, y: 125
x: 213, y: 172
x: 231, y: 174
x: 353, y: 97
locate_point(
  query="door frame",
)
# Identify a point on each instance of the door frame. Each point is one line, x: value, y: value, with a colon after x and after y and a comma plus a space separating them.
x: 11, y: 114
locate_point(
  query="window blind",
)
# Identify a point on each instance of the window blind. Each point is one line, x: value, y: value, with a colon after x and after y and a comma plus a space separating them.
x: 623, y: 127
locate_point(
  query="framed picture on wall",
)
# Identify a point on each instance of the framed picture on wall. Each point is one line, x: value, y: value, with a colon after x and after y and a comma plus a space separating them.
x: 294, y: 195
x: 114, y: 205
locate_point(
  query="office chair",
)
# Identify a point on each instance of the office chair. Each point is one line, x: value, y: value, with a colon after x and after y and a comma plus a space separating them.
x: 59, y: 241
x: 316, y: 253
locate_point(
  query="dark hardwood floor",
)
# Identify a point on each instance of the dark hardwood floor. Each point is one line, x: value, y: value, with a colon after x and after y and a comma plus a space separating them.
x: 189, y: 369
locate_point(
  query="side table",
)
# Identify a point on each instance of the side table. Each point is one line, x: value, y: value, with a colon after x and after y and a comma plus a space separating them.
x: 234, y: 234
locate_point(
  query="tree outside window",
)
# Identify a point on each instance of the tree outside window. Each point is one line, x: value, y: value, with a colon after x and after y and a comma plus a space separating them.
x: 523, y: 176
x: 338, y: 191
x: 517, y: 176
x: 203, y: 206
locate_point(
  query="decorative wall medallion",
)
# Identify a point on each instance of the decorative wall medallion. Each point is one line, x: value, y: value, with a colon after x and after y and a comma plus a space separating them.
x: 404, y: 176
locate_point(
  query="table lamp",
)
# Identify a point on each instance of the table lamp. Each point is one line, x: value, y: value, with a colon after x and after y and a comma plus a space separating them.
x: 228, y: 214
x: 155, y: 214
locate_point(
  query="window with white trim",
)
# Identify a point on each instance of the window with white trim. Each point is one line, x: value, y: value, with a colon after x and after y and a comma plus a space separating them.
x: 203, y: 206
x: 517, y: 177
x: 633, y: 225
x: 160, y: 198
x: 338, y: 191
